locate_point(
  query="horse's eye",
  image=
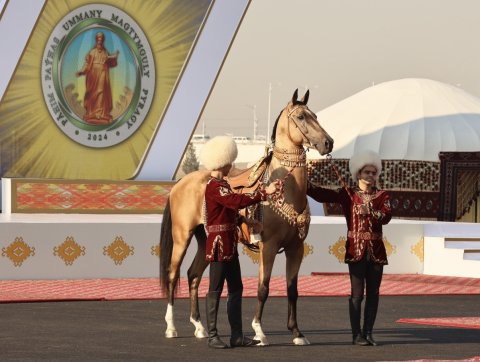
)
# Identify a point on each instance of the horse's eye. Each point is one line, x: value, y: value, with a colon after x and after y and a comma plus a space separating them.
x: 301, y: 116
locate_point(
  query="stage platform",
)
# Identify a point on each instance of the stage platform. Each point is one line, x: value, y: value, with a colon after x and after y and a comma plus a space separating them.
x: 98, y: 246
x: 94, y: 229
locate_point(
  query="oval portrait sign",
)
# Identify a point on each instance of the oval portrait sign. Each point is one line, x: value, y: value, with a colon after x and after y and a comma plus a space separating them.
x: 98, y: 75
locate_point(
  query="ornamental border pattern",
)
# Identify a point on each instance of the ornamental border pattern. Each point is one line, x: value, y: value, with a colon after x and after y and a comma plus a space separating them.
x: 397, y: 174
x: 89, y: 196
x: 452, y: 163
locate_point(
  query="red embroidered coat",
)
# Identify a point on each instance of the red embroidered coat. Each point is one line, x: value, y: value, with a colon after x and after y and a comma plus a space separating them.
x: 364, y: 231
x: 221, y: 212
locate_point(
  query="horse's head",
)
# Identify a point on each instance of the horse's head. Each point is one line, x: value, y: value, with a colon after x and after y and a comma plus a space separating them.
x: 299, y: 125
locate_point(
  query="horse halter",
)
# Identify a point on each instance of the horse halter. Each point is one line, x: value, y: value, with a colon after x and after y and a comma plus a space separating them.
x: 288, y: 157
x: 300, y: 128
x: 291, y: 158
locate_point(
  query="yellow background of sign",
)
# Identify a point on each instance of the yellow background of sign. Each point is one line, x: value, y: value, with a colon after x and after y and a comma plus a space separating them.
x: 31, y: 144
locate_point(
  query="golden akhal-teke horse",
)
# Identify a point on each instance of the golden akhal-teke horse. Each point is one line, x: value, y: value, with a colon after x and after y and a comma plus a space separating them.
x: 285, y: 220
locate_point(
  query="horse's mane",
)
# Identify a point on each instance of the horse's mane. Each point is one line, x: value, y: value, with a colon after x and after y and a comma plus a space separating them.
x: 274, y: 131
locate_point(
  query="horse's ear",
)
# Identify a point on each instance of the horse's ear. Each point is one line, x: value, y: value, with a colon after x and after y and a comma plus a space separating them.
x: 304, y: 100
x: 295, y: 96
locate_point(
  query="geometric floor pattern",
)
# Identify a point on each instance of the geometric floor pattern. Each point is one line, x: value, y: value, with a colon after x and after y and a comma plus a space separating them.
x: 317, y: 284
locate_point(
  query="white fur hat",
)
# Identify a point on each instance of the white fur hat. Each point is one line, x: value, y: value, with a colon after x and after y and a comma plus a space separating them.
x: 362, y: 159
x: 218, y: 152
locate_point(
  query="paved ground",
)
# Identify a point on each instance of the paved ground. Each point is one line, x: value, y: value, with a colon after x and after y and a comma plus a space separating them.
x: 133, y: 330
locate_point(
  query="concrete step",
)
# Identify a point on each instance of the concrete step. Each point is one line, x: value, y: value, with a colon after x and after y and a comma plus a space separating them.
x: 452, y: 256
x: 470, y: 254
x: 462, y: 243
x: 470, y: 247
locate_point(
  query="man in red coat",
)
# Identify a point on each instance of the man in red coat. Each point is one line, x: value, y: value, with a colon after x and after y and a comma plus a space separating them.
x: 221, y: 218
x: 365, y: 209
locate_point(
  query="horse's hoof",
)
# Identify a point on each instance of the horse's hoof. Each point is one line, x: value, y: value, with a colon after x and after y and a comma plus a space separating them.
x: 201, y: 333
x: 259, y: 335
x: 171, y: 333
x: 263, y: 341
x: 301, y: 341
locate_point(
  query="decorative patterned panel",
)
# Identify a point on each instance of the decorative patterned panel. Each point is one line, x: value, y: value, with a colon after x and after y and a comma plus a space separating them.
x: 69, y: 250
x: 459, y: 182
x: 51, y: 196
x: 338, y: 249
x: 389, y: 248
x: 396, y: 174
x: 417, y: 249
x: 18, y: 251
x: 118, y: 250
x: 405, y: 204
x: 155, y: 250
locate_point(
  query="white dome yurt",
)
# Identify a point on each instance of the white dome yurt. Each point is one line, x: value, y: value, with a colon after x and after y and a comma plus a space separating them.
x: 410, y: 119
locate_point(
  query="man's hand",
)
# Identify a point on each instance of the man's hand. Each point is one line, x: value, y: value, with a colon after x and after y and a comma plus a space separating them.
x: 275, y: 186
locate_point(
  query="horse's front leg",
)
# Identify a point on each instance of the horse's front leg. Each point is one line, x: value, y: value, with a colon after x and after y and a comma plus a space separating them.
x: 194, y: 277
x: 171, y: 331
x: 267, y: 258
x: 294, y: 259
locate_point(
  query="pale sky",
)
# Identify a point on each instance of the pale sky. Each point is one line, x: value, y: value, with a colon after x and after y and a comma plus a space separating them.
x: 338, y: 48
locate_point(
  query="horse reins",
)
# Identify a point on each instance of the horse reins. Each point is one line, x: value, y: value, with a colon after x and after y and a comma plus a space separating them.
x: 344, y: 185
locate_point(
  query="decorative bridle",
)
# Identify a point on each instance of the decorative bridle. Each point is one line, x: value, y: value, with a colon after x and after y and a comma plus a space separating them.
x: 292, y: 159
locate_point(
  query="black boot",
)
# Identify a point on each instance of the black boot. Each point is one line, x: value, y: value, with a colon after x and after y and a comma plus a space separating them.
x: 369, y: 338
x: 214, y: 341
x: 234, y: 312
x: 371, y: 307
x: 355, y: 310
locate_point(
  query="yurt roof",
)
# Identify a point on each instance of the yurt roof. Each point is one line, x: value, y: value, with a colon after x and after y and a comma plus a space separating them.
x: 411, y: 119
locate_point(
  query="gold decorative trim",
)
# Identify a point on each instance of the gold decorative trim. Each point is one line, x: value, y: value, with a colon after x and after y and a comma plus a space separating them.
x: 390, y: 248
x: 307, y: 250
x: 155, y: 250
x: 417, y: 249
x: 254, y: 256
x: 18, y: 251
x: 288, y: 213
x: 118, y: 250
x: 290, y: 158
x: 338, y: 249
x: 69, y: 250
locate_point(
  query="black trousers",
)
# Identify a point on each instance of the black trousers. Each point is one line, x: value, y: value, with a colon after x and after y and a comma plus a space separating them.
x: 365, y: 273
x: 225, y: 270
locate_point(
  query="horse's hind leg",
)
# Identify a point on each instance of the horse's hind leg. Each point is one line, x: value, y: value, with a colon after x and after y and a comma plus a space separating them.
x: 178, y: 253
x: 195, y: 273
x: 294, y: 259
x: 267, y: 257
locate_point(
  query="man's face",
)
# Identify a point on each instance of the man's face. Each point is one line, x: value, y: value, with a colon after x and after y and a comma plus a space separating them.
x: 368, y: 175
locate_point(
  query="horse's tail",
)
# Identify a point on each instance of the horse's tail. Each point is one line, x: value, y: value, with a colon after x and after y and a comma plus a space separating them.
x: 166, y: 247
